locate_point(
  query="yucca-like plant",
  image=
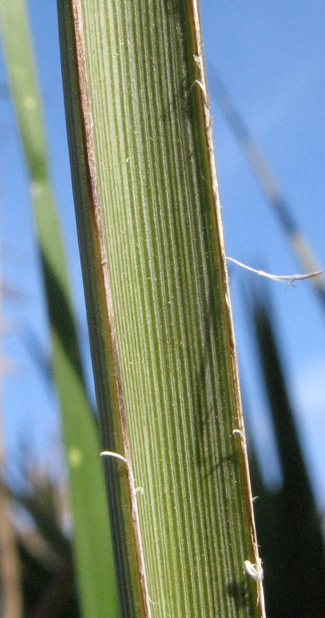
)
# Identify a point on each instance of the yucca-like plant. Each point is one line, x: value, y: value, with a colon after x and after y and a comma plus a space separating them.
x: 151, y: 244
x: 164, y: 358
x: 155, y: 277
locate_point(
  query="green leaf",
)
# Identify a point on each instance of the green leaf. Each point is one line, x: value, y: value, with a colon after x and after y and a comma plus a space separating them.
x: 91, y: 532
x: 289, y: 525
x: 151, y: 244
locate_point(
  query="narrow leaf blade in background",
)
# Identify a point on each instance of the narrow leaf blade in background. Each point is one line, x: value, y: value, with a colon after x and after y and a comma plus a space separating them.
x: 289, y: 525
x: 91, y: 532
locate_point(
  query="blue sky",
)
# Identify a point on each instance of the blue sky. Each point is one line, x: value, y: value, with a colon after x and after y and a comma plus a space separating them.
x: 270, y: 57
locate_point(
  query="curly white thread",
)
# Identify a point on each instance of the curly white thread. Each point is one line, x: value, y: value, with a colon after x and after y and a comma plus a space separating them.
x: 255, y: 571
x: 290, y: 279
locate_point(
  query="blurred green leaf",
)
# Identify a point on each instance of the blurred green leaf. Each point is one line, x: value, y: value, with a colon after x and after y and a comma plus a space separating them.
x: 91, y: 530
x: 288, y: 523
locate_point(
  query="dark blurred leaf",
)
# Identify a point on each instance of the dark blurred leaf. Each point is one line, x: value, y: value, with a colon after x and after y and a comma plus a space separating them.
x: 288, y: 524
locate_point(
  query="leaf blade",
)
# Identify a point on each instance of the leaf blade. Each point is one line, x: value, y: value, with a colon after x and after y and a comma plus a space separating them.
x: 154, y: 246
x: 92, y: 546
